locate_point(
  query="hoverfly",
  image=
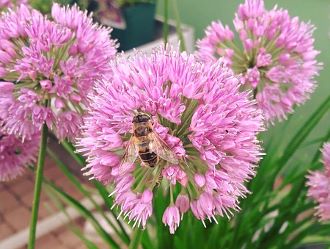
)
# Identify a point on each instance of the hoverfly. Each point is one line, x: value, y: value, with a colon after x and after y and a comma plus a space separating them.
x: 146, y: 144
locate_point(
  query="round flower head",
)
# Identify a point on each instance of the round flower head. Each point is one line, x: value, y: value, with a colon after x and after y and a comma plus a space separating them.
x: 275, y: 56
x: 167, y: 120
x: 16, y: 155
x: 48, y: 66
x: 319, y: 186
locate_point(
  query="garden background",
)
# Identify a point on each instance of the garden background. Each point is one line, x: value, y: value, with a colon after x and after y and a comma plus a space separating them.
x: 200, y: 14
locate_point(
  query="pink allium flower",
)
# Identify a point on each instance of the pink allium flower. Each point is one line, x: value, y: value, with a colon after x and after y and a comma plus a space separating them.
x: 16, y: 155
x: 137, y: 207
x: 275, y: 58
x: 201, y: 119
x: 174, y: 174
x: 48, y: 66
x: 182, y: 202
x: 319, y: 186
x: 171, y: 218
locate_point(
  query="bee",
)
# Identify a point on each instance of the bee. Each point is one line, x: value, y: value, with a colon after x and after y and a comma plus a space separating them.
x: 146, y: 145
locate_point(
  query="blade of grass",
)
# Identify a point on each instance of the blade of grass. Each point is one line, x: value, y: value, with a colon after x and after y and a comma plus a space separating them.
x: 108, y: 202
x: 178, y: 25
x: 135, y: 241
x: 71, y: 150
x: 269, y: 169
x: 88, y: 243
x: 146, y: 241
x: 290, y: 149
x: 166, y: 26
x: 104, y: 193
x: 123, y: 235
x: 86, y: 214
x: 77, y: 231
x: 304, y: 131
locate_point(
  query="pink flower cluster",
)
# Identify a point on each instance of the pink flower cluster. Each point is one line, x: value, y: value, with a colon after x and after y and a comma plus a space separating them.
x: 198, y: 112
x: 275, y: 58
x: 48, y: 66
x: 16, y: 155
x: 319, y: 186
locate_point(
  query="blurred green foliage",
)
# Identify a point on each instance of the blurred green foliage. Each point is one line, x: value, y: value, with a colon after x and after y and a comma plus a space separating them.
x: 45, y: 6
x: 132, y: 2
x: 199, y: 14
x: 271, y: 217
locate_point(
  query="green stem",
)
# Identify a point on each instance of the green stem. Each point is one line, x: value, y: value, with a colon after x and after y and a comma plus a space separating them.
x: 178, y: 26
x: 171, y: 194
x: 166, y: 27
x: 37, y: 186
x: 135, y: 241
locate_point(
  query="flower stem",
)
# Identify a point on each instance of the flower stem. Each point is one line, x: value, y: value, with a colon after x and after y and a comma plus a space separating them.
x: 171, y: 194
x: 135, y: 241
x: 37, y: 186
x: 166, y: 27
x: 178, y: 26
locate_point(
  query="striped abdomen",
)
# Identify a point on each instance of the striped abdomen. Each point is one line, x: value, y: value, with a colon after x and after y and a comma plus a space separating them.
x: 148, y: 157
x: 142, y: 129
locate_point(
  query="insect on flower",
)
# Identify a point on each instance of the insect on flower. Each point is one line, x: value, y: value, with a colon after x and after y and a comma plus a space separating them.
x: 170, y: 122
x: 146, y: 144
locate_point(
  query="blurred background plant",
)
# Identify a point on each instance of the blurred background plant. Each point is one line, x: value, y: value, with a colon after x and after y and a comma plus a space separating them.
x: 277, y: 214
x: 45, y: 6
x: 133, y: 21
x: 132, y: 2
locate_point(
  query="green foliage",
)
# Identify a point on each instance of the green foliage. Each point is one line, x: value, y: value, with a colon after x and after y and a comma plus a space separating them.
x: 117, y: 226
x: 45, y: 6
x: 132, y: 2
x: 276, y: 215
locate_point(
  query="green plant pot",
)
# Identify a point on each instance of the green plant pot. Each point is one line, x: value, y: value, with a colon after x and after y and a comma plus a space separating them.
x: 140, y: 26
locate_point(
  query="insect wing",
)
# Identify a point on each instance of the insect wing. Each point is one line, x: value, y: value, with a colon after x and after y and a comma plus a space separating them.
x: 131, y: 153
x: 158, y: 146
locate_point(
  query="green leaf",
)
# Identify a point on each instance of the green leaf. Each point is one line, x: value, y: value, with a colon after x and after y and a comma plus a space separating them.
x: 146, y: 241
x: 88, y: 243
x: 304, y: 131
x: 103, y: 192
x: 108, y: 202
x: 122, y: 234
x: 75, y: 229
x: 86, y: 214
x: 73, y: 179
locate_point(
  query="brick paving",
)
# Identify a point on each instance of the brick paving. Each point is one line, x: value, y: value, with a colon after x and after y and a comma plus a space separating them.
x: 62, y: 238
x: 16, y: 200
x: 15, y: 207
